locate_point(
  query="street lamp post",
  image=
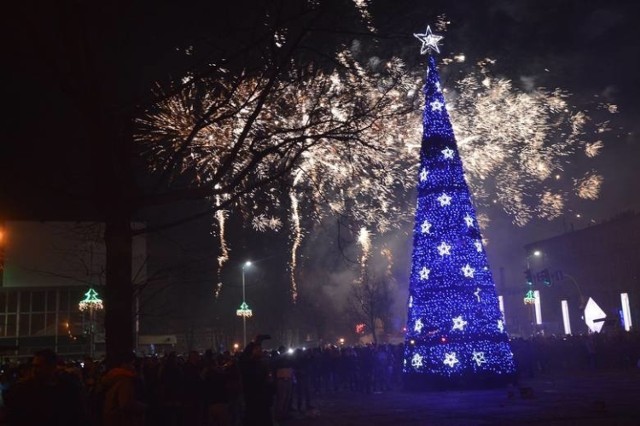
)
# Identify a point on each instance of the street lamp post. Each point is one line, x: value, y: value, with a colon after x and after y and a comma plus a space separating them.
x: 244, y: 310
x: 577, y: 286
x: 91, y: 303
x: 531, y: 297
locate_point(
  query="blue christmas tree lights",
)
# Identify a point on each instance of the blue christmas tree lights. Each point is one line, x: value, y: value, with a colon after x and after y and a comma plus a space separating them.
x: 455, y: 330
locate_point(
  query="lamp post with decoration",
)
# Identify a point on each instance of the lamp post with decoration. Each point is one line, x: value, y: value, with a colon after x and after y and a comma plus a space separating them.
x: 91, y: 304
x: 244, y: 311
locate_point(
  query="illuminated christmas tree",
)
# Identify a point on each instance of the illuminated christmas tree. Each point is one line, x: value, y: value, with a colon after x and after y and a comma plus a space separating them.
x: 455, y: 330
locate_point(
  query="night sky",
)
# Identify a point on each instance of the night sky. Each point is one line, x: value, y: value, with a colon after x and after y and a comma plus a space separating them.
x: 588, y: 48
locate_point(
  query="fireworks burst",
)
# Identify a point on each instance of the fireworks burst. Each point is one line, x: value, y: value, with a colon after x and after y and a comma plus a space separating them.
x: 589, y: 186
x: 349, y: 141
x: 516, y: 143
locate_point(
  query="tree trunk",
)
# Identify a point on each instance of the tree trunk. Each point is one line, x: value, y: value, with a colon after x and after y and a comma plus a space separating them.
x: 115, y: 185
x: 119, y: 289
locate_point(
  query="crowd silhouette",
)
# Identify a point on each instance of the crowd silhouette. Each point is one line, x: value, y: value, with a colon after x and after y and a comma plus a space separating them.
x: 253, y: 387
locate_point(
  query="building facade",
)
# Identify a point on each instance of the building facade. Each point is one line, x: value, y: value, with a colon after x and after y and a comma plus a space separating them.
x: 36, y: 318
x: 600, y: 262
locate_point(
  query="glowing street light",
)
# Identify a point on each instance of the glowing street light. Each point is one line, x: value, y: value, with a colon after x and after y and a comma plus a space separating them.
x: 244, y: 311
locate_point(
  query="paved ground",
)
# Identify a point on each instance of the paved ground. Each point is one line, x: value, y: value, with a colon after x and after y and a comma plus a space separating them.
x: 611, y: 399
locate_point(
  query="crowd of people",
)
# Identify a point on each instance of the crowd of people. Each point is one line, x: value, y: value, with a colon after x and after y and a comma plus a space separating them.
x: 254, y: 387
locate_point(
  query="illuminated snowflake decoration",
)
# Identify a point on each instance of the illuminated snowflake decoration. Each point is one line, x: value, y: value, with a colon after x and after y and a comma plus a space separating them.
x: 424, y: 273
x: 436, y: 106
x: 468, y: 271
x: 458, y: 323
x: 448, y: 153
x: 425, y: 227
x: 423, y: 175
x: 450, y: 359
x: 468, y: 220
x: 444, y: 249
x: 478, y: 245
x: 429, y: 41
x: 478, y: 357
x: 416, y: 361
x: 444, y: 200
x: 418, y: 325
x: 501, y: 325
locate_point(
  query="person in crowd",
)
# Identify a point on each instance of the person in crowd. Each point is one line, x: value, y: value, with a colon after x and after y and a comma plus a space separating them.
x: 285, y: 378
x: 302, y: 373
x: 257, y: 385
x: 193, y: 401
x: 47, y: 396
x: 171, y: 390
x: 218, y: 376
x: 121, y: 390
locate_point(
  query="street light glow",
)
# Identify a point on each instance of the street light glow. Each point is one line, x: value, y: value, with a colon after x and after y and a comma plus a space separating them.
x: 244, y: 310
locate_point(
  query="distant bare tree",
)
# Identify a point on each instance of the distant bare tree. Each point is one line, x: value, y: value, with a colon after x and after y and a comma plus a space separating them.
x: 370, y: 301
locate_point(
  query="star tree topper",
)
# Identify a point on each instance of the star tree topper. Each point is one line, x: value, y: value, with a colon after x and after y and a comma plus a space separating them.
x: 429, y: 41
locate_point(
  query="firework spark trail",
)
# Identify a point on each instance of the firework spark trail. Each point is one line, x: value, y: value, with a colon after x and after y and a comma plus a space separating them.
x: 224, y: 249
x: 388, y: 255
x: 364, y: 239
x: 297, y: 240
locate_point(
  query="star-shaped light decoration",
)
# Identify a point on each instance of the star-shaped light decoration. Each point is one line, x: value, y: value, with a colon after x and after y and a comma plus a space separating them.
x: 423, y: 174
x: 444, y: 249
x: 429, y: 41
x: 425, y: 227
x: 468, y: 220
x: 417, y: 326
x: 448, y: 153
x: 477, y: 293
x: 468, y: 271
x: 424, y: 273
x: 450, y: 359
x: 444, y: 200
x: 416, y: 361
x: 500, y: 325
x: 478, y: 245
x: 436, y: 105
x: 459, y: 323
x: 478, y: 357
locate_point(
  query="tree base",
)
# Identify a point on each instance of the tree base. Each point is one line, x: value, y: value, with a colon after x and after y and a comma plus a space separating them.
x: 426, y: 382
